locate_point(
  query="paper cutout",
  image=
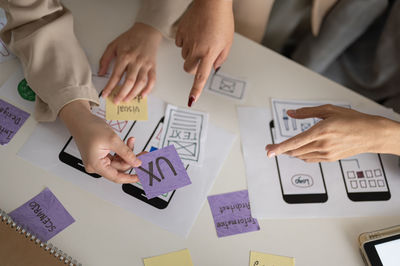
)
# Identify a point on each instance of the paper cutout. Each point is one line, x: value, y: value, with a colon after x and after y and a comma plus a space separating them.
x: 161, y: 171
x: 231, y: 212
x: 5, y: 54
x: 177, y: 258
x: 25, y: 91
x: 43, y: 215
x: 226, y: 85
x: 263, y: 259
x: 136, y: 109
x: 187, y: 131
x: 11, y: 119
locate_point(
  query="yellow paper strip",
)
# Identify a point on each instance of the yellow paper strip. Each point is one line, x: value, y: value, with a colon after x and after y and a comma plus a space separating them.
x: 181, y: 258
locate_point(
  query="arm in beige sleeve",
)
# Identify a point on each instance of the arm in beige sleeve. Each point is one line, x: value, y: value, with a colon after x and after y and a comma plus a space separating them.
x: 40, y: 33
x: 162, y: 15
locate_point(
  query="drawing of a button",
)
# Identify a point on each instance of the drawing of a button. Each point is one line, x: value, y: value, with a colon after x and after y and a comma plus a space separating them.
x: 377, y: 172
x: 381, y: 183
x: 351, y: 174
x: 372, y: 183
x: 368, y: 173
x: 302, y: 180
x: 363, y: 183
x: 353, y: 184
x: 360, y: 174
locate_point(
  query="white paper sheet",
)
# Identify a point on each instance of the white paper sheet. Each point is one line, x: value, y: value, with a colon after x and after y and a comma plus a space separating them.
x: 265, y: 189
x: 5, y: 54
x: 186, y: 129
x: 46, y: 142
x: 287, y: 127
x: 226, y: 85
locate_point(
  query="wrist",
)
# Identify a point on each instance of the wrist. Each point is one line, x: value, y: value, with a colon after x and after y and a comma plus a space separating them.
x: 74, y: 114
x: 146, y: 29
x: 388, y: 137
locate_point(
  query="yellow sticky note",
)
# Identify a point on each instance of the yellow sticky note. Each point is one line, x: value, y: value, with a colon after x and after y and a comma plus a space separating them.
x: 263, y: 259
x: 181, y: 258
x: 136, y: 109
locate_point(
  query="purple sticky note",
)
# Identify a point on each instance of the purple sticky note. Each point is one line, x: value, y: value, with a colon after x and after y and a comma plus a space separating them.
x: 162, y: 171
x: 44, y: 215
x: 11, y: 119
x: 232, y: 214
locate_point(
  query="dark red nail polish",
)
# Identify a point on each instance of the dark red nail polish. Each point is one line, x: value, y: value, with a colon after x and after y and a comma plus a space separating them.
x: 191, y: 100
x: 216, y: 70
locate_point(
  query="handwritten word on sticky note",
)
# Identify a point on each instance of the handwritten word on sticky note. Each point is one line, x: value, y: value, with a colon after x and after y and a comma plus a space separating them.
x: 181, y: 258
x: 43, y: 215
x: 162, y: 171
x: 136, y: 109
x: 231, y: 212
x: 11, y: 120
x: 262, y: 259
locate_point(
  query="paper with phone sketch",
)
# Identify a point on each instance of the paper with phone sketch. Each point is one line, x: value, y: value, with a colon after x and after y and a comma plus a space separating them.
x: 232, y: 214
x: 11, y: 120
x: 286, y: 126
x: 177, y: 258
x: 226, y: 85
x: 265, y: 187
x: 48, y: 139
x: 263, y: 259
x: 161, y: 171
x: 135, y: 109
x: 5, y: 54
x: 43, y: 216
x: 186, y: 129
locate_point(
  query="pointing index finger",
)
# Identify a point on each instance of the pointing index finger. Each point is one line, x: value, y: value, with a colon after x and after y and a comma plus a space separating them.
x: 200, y: 79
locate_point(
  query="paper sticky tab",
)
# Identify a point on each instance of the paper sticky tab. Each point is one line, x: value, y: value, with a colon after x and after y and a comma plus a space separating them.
x: 181, y: 258
x: 136, y: 109
x: 43, y: 215
x: 263, y: 259
x: 11, y: 120
x: 162, y: 171
x: 231, y: 212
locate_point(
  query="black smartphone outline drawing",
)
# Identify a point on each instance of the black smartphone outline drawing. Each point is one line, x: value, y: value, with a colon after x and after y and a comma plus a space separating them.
x: 368, y: 196
x: 77, y: 163
x: 138, y: 193
x: 299, y: 198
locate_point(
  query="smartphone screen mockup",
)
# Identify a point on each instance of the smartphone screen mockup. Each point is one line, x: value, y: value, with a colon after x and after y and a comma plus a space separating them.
x: 136, y: 189
x: 300, y: 182
x: 364, y: 177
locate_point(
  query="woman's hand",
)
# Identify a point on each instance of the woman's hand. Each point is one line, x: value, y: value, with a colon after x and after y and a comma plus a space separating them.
x: 135, y: 51
x: 205, y: 34
x: 342, y: 133
x: 96, y: 140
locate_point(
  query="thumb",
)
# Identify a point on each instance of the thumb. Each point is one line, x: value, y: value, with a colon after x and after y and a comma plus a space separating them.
x: 323, y: 112
x: 126, y: 153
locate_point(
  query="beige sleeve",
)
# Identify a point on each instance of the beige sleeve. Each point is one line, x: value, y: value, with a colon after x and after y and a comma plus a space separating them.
x: 40, y: 33
x: 162, y: 14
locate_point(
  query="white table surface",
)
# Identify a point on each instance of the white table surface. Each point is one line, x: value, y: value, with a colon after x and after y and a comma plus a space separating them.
x: 104, y: 234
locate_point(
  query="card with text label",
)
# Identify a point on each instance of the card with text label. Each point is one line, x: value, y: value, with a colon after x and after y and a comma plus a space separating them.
x: 232, y: 214
x: 136, y: 109
x: 162, y: 171
x: 263, y: 259
x: 177, y: 258
x: 187, y: 131
x: 43, y: 215
x: 11, y: 120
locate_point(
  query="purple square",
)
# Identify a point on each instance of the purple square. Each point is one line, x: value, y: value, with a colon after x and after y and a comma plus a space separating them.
x: 43, y: 216
x: 11, y: 119
x: 360, y: 174
x: 162, y: 171
x: 232, y: 214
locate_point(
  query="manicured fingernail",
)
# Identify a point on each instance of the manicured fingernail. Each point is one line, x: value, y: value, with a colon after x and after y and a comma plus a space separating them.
x: 216, y: 70
x: 291, y: 112
x: 191, y: 100
x: 271, y: 154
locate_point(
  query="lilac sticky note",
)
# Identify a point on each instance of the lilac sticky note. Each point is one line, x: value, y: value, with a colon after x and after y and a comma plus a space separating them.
x: 231, y: 212
x: 162, y: 171
x: 11, y: 119
x: 43, y: 215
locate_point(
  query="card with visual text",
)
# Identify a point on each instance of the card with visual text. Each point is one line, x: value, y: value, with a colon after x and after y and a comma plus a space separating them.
x: 43, y: 216
x: 136, y: 109
x: 162, y: 171
x: 11, y: 120
x: 232, y: 214
x: 187, y: 130
x: 177, y: 258
x: 263, y: 259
